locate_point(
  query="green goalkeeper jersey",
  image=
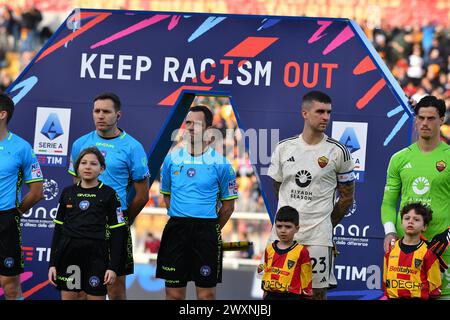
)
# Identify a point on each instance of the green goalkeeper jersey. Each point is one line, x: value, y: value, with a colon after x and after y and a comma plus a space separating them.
x: 419, y: 177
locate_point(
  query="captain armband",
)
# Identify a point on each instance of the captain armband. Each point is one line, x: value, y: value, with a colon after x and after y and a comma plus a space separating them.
x: 346, y: 177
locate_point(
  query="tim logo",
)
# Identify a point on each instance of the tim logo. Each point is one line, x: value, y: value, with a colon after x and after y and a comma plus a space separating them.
x: 350, y: 140
x: 52, y: 127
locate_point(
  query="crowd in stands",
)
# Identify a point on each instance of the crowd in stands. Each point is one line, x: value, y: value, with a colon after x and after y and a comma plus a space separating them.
x: 419, y: 58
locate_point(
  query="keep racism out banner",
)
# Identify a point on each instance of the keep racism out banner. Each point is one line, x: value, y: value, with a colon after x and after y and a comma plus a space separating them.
x: 158, y: 61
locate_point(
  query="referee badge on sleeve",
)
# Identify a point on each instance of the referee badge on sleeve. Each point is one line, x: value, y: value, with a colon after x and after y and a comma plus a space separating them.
x: 232, y: 187
x: 119, y: 213
x: 36, y: 172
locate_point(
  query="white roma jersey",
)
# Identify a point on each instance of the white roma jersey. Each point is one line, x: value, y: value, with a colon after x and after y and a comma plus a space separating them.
x: 309, y: 175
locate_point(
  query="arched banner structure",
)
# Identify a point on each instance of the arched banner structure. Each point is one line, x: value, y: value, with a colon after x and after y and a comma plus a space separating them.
x: 157, y: 61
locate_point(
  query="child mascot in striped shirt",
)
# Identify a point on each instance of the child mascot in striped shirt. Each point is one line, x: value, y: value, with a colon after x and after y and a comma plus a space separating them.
x: 411, y: 270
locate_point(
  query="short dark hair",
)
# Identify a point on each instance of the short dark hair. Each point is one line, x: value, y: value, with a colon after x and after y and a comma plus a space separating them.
x: 91, y: 150
x: 420, y: 209
x: 287, y: 214
x: 6, y: 104
x: 317, y: 96
x: 206, y: 112
x: 431, y: 101
x: 110, y: 96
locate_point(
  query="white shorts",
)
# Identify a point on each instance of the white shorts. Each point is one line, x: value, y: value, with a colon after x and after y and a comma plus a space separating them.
x: 322, y: 261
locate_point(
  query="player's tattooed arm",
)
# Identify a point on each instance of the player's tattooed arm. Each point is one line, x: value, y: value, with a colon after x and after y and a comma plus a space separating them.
x: 346, y: 195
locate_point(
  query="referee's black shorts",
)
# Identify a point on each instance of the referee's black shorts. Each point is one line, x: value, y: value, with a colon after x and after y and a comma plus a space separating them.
x: 11, y: 257
x: 191, y: 250
x: 81, y: 265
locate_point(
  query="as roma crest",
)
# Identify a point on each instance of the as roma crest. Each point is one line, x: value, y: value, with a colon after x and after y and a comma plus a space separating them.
x: 322, y: 161
x: 440, y: 166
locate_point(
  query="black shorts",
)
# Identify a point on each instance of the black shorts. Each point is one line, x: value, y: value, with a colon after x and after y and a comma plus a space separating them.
x: 81, y: 265
x: 128, y: 267
x: 191, y: 250
x: 11, y: 256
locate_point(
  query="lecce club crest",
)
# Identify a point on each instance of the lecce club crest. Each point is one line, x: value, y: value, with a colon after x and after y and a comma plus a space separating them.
x: 322, y: 161
x: 440, y: 166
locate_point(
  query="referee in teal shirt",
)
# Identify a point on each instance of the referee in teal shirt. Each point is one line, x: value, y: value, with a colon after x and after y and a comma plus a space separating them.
x: 195, y: 181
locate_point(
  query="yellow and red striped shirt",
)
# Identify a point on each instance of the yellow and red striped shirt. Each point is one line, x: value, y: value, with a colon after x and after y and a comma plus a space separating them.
x: 287, y: 270
x: 411, y: 275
